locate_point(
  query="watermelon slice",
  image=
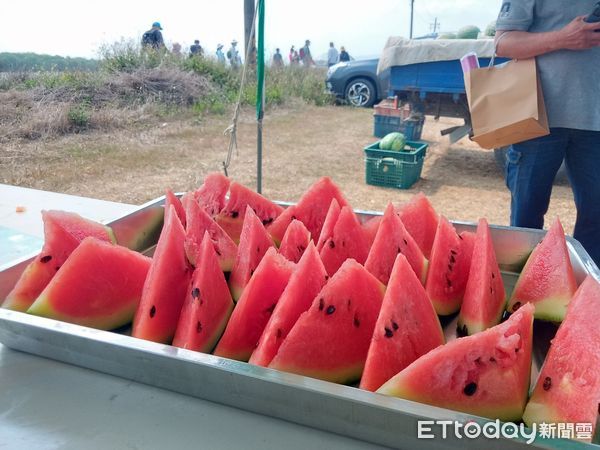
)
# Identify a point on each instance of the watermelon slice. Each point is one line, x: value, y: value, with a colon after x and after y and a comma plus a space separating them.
x: 311, y: 209
x: 448, y: 268
x: 484, y: 298
x: 547, y: 280
x: 255, y: 307
x: 406, y: 329
x: 166, y: 286
x: 211, y: 195
x: 171, y: 199
x: 370, y: 227
x: 230, y: 218
x: 295, y: 241
x: 208, y: 305
x: 330, y: 341
x: 333, y: 213
x: 254, y: 243
x: 63, y: 231
x: 391, y: 240
x: 486, y: 374
x: 305, y: 283
x: 568, y: 388
x: 421, y: 221
x: 199, y: 222
x: 346, y: 241
x: 99, y: 286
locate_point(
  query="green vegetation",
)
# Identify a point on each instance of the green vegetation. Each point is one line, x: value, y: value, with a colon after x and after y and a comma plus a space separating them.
x: 21, y: 62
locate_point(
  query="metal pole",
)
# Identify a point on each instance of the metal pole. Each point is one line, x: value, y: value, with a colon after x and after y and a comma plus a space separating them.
x: 260, y: 92
x: 412, y: 11
x: 259, y: 127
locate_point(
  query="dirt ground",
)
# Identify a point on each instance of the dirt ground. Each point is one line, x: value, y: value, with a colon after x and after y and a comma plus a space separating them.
x: 301, y: 143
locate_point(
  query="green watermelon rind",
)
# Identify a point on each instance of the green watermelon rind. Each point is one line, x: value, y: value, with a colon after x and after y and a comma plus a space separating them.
x: 550, y: 309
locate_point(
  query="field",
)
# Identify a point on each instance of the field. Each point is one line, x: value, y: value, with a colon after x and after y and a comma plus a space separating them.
x: 301, y: 143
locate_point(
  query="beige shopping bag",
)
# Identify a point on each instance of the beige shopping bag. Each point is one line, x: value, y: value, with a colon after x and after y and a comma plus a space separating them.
x: 506, y: 103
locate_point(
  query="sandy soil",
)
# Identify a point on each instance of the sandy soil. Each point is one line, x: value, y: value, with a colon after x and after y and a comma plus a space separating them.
x: 301, y: 143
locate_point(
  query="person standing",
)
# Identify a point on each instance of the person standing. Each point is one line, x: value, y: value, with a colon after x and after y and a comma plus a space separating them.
x: 220, y: 54
x: 196, y: 49
x: 567, y: 53
x: 294, y: 57
x: 234, y: 55
x: 305, y: 55
x: 332, y: 55
x: 277, y: 59
x: 153, y: 38
x: 344, y: 56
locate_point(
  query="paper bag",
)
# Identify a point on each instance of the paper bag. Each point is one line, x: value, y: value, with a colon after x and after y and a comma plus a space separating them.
x: 506, y: 104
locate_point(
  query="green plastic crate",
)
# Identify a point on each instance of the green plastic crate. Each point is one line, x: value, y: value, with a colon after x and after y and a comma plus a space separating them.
x: 394, y: 169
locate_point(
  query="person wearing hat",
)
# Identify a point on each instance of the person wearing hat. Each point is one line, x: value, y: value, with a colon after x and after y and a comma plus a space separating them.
x: 153, y: 38
x: 234, y: 55
x: 220, y: 54
x: 196, y: 49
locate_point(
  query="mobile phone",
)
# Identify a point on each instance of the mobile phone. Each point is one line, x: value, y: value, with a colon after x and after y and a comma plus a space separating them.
x: 594, y: 16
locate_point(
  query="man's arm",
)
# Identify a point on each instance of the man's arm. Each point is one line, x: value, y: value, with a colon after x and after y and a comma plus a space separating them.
x: 577, y: 35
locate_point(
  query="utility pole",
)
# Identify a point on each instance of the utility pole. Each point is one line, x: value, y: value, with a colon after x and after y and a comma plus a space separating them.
x: 434, y: 26
x: 249, y: 40
x: 412, y: 15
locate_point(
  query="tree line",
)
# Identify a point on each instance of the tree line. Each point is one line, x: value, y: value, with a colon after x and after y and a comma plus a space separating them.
x: 26, y: 62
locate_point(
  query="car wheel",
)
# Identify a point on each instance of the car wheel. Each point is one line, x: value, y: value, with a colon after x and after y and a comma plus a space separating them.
x: 360, y: 92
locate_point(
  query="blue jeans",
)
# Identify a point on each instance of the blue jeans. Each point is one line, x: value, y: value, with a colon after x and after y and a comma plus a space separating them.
x: 530, y: 170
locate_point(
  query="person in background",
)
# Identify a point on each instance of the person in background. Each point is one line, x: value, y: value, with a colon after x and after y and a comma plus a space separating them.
x: 220, y: 54
x: 196, y: 49
x: 567, y: 53
x: 332, y: 55
x: 153, y: 38
x: 294, y: 57
x: 277, y: 59
x: 234, y: 55
x: 344, y: 56
x: 176, y: 48
x: 305, y: 55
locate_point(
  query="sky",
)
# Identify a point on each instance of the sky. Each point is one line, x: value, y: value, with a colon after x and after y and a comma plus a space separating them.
x: 78, y: 28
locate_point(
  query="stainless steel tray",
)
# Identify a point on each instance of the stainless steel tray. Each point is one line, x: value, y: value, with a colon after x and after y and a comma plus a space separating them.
x: 340, y: 409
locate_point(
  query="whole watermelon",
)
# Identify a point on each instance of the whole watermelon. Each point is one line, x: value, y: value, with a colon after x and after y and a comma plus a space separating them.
x: 393, y: 141
x: 468, y: 32
x: 447, y: 36
x: 490, y: 30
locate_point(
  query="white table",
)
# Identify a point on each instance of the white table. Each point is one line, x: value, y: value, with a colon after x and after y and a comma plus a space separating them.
x: 46, y: 404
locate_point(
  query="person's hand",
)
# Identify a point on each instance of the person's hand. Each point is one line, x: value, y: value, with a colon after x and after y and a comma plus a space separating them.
x: 579, y: 35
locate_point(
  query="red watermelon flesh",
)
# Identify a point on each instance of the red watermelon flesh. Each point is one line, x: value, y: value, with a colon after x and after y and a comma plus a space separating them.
x: 547, y: 280
x: 370, y: 227
x: 486, y: 374
x: 99, y: 286
x: 63, y: 231
x: 211, y: 195
x: 448, y: 268
x: 406, y: 329
x: 333, y: 213
x: 330, y: 341
x: 391, y: 240
x: 295, y: 241
x: 421, y: 221
x: 166, y: 285
x: 311, y: 209
x: 305, y: 283
x: 568, y: 388
x: 231, y: 216
x: 484, y: 298
x: 255, y: 307
x: 171, y: 199
x: 208, y: 303
x: 347, y: 241
x: 254, y: 243
x: 199, y: 222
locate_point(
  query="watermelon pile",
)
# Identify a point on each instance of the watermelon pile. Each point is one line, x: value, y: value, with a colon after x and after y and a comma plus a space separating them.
x: 315, y: 290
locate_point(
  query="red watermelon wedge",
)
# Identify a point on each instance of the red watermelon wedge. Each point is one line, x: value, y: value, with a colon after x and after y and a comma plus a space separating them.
x: 568, y: 388
x: 208, y: 304
x: 295, y: 241
x: 330, y: 220
x: 63, y: 231
x: 370, y: 227
x: 311, y: 209
x: 231, y: 217
x: 486, y: 374
x: 484, y: 298
x: 254, y: 243
x: 305, y: 283
x: 391, y: 240
x: 346, y: 241
x: 547, y: 280
x: 166, y: 285
x: 98, y: 286
x: 330, y: 341
x: 171, y: 199
x: 211, y: 195
x: 255, y: 307
x: 406, y: 329
x: 421, y: 221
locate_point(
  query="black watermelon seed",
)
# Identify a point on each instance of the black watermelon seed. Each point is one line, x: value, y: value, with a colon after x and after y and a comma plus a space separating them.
x: 399, y: 250
x: 45, y: 259
x: 450, y: 267
x: 56, y: 268
x: 470, y: 389
x: 547, y: 383
x: 405, y: 241
x: 330, y: 310
x: 356, y: 321
x: 267, y: 221
x: 598, y: 408
x: 321, y: 304
x: 217, y: 252
x: 349, y: 304
x: 394, y: 325
x: 152, y: 311
x: 271, y: 308
x: 492, y: 359
x: 326, y: 277
x: 388, y: 333
x: 493, y: 275
x: 279, y: 333
x: 460, y: 237
x: 195, y: 292
x: 198, y: 327
x: 257, y: 249
x: 251, y: 272
x: 293, y: 217
x: 331, y: 243
x: 454, y: 252
x: 491, y: 290
x: 449, y: 282
x: 452, y: 259
x: 301, y: 248
x: 234, y: 214
x: 462, y: 331
x: 516, y: 306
